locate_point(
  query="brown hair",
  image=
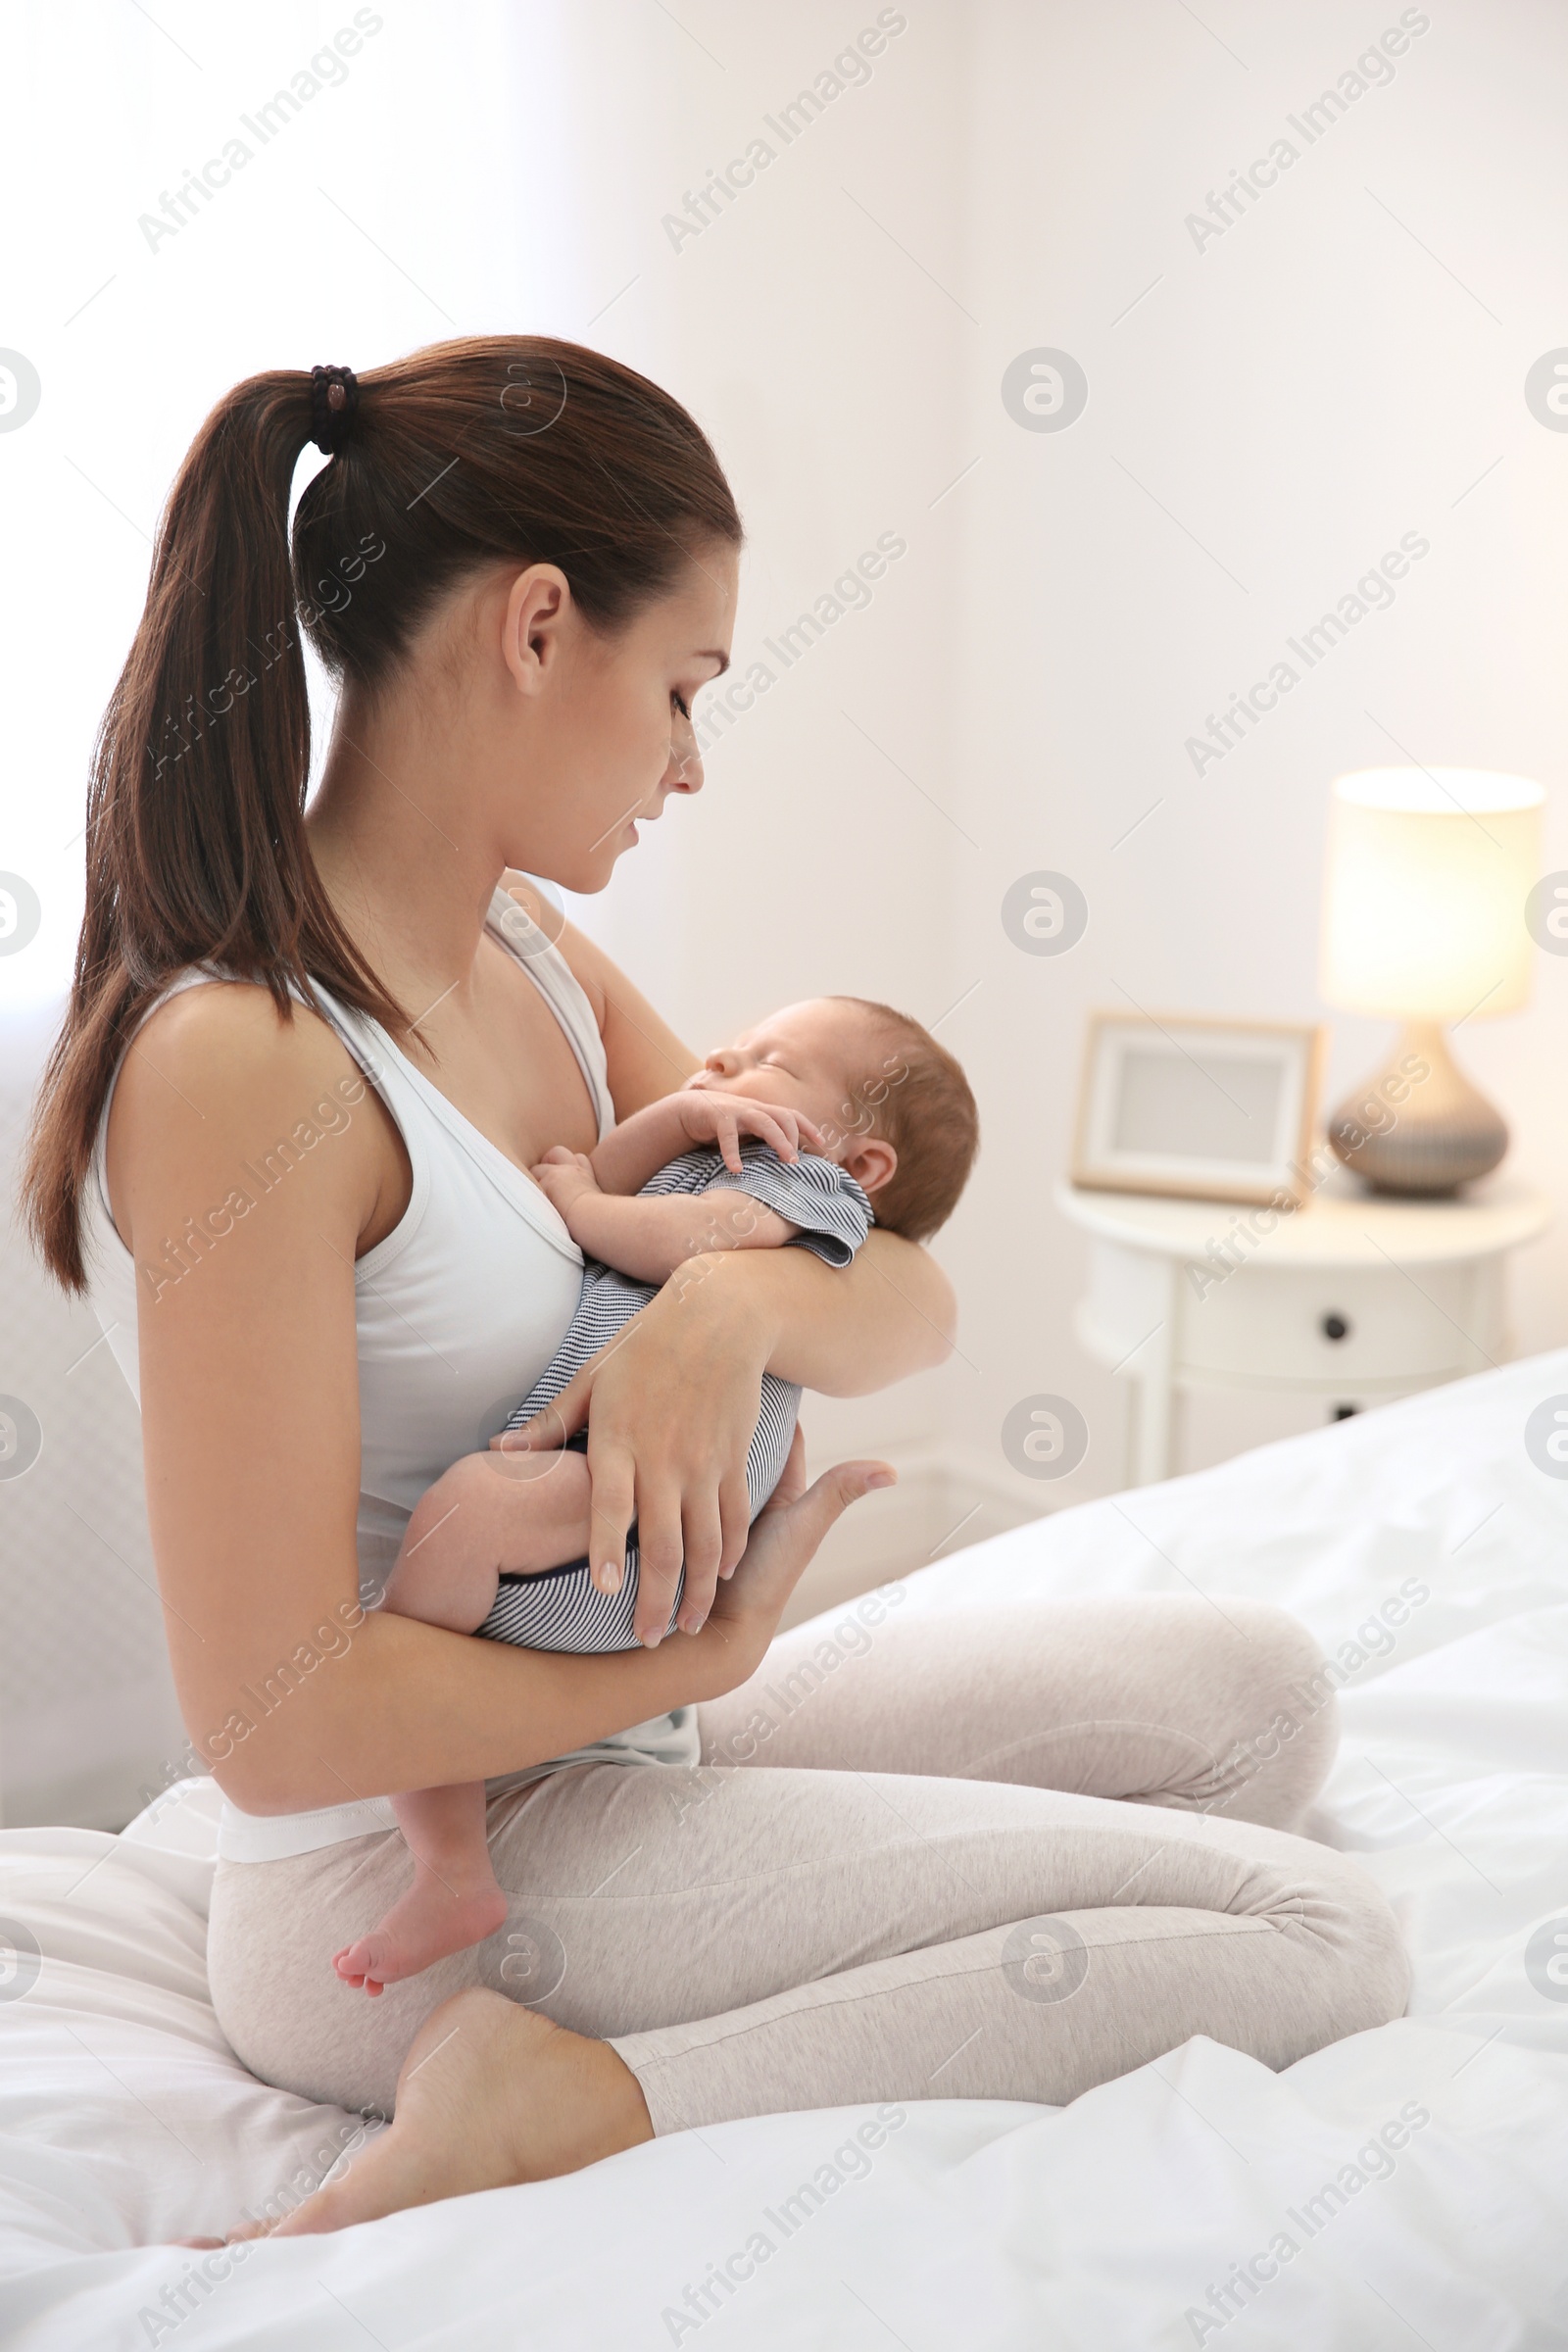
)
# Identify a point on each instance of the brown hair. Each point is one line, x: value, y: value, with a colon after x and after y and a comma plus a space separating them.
x: 495, y: 449
x: 921, y: 1103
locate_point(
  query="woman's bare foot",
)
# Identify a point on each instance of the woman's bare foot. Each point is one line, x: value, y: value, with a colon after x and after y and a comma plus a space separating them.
x: 490, y: 2093
x: 422, y: 1927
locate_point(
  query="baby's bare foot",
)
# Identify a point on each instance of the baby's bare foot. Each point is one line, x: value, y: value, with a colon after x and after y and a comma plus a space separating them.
x: 429, y: 1922
x: 490, y: 2093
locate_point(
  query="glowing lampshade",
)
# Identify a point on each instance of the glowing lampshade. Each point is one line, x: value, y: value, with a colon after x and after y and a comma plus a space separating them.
x: 1427, y: 872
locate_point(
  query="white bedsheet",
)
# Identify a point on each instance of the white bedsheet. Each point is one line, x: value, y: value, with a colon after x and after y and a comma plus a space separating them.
x: 123, y: 2119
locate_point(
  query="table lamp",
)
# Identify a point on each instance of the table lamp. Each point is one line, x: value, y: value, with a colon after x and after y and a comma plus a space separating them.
x: 1424, y: 922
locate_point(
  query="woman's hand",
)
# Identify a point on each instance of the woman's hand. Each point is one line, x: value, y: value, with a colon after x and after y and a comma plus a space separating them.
x: 670, y: 1407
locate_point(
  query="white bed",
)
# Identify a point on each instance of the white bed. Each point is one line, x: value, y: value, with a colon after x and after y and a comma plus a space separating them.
x: 123, y: 2119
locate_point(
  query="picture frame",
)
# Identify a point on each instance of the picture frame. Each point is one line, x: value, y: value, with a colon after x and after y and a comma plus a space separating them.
x: 1196, y: 1107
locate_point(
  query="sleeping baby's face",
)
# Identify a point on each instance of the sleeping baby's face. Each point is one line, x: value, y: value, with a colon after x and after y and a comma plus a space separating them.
x: 820, y: 1057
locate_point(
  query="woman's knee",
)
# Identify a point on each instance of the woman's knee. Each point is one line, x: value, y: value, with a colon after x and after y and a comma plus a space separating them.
x: 1286, y: 1650
x: 1272, y: 1727
x: 1370, y: 1980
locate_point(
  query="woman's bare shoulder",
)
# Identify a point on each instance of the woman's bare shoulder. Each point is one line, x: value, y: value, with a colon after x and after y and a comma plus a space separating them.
x: 230, y: 1036
x: 216, y: 1076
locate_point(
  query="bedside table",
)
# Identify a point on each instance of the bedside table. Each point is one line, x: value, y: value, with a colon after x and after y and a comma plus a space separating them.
x: 1351, y: 1297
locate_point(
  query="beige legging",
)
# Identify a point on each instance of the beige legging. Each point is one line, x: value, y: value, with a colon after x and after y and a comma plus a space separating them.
x: 1008, y: 1853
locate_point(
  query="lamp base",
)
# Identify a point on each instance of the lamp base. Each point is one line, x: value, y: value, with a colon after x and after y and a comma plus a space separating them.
x: 1418, y: 1127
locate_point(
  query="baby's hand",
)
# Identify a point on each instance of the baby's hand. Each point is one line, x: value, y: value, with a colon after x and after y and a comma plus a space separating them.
x: 710, y: 1116
x: 564, y: 1177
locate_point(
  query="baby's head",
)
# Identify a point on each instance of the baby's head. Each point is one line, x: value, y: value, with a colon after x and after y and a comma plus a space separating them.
x: 894, y: 1107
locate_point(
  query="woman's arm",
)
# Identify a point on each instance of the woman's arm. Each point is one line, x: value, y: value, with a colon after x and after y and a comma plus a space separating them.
x: 250, y: 1418
x: 845, y: 1331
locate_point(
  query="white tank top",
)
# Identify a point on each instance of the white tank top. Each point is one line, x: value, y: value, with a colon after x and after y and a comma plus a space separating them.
x: 458, y: 1311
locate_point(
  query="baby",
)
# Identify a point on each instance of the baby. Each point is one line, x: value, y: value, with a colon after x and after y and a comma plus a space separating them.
x: 842, y: 1105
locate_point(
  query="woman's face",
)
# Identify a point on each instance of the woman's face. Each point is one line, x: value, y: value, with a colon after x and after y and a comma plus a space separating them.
x: 604, y: 732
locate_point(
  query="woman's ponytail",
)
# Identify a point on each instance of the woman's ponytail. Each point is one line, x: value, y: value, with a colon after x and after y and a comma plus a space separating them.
x: 195, y: 835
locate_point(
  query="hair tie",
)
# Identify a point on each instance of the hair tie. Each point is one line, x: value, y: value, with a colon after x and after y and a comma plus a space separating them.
x: 334, y: 399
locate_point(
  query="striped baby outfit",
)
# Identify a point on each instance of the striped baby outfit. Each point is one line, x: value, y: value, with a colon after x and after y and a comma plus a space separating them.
x: 561, y: 1608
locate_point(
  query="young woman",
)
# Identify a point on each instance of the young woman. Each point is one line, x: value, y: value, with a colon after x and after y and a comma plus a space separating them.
x: 283, y: 1140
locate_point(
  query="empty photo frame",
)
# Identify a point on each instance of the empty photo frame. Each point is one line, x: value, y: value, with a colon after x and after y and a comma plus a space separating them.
x: 1205, y: 1109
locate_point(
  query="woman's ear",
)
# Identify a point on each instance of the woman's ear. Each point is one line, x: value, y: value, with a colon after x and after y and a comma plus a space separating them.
x: 538, y: 603
x: 872, y: 1163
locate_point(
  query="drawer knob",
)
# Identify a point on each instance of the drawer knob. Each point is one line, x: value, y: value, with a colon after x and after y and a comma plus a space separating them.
x: 1336, y: 1327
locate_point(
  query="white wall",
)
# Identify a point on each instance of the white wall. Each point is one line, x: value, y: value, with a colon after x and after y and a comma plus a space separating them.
x: 1279, y: 407
x: 1274, y: 412
x: 1269, y: 410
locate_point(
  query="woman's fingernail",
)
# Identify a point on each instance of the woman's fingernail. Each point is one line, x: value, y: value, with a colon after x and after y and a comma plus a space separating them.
x: 612, y: 1577
x: 653, y: 1639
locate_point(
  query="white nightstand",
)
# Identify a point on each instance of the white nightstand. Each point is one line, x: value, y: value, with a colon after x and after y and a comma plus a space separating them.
x: 1352, y: 1298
